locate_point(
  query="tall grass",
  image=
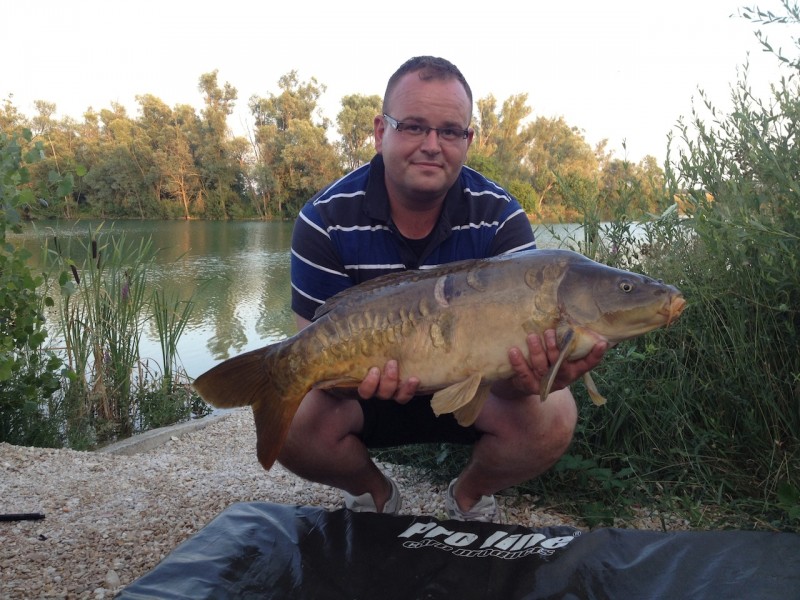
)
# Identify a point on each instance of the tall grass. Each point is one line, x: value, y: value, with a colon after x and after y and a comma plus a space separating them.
x: 707, y: 412
x: 107, y: 301
x: 703, y: 417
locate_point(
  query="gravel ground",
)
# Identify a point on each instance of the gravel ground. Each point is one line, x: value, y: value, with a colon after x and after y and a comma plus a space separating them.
x: 111, y: 518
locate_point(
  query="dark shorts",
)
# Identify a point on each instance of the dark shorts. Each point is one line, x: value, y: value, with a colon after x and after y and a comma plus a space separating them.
x: 387, y: 423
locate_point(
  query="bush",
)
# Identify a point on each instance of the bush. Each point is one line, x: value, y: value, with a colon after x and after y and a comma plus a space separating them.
x: 703, y: 417
x: 29, y: 374
x: 708, y: 411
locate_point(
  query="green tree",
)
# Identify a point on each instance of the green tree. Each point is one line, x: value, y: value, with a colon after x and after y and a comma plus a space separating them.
x: 218, y: 170
x: 174, y: 175
x: 486, y: 125
x: 355, y: 122
x: 60, y: 143
x: 294, y: 156
x: 502, y: 136
x: 116, y: 184
x: 310, y: 162
x: 557, y: 152
x: 11, y: 120
x: 640, y: 187
x: 87, y: 154
x: 29, y: 374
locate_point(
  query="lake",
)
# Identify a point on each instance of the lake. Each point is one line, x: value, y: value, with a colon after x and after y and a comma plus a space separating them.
x: 237, y: 274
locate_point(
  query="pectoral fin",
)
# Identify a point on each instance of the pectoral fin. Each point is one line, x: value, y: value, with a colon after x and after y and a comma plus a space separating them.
x: 343, y: 383
x: 466, y: 415
x: 458, y: 395
x: 594, y: 394
x: 567, y: 346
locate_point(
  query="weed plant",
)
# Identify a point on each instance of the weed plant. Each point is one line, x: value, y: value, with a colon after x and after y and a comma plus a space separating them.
x: 106, y: 303
x: 29, y: 374
x: 703, y: 418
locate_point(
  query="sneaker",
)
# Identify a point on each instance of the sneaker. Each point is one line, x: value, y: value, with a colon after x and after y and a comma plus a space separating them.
x: 366, y: 503
x: 485, y: 510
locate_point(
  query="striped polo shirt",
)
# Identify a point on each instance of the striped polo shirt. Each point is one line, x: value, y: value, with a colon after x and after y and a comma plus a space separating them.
x: 345, y: 235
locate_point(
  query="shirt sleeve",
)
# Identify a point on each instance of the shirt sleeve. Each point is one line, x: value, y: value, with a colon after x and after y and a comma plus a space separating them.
x: 317, y: 272
x: 514, y: 233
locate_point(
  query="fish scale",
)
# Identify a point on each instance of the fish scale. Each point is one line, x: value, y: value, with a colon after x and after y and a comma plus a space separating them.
x: 450, y: 326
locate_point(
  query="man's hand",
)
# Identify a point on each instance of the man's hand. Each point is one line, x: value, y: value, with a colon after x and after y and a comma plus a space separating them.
x: 528, y: 376
x: 388, y: 385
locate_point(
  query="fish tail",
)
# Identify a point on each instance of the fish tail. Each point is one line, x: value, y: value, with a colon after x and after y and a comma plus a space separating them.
x: 259, y: 379
x: 272, y: 427
x: 239, y: 381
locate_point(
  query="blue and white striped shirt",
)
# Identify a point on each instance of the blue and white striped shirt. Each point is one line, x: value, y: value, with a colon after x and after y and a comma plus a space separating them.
x: 345, y: 235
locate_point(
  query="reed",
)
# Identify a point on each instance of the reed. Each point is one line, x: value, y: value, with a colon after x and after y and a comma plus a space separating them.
x: 107, y: 301
x: 703, y: 418
x: 707, y: 412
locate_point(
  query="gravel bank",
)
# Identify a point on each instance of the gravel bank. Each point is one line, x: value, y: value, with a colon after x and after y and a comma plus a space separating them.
x: 111, y: 518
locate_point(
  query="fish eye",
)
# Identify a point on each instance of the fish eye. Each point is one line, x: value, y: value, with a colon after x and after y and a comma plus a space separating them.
x: 626, y: 286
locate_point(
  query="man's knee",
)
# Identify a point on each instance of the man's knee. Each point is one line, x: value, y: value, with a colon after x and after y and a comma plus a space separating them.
x: 560, y: 426
x: 564, y: 419
x: 320, y: 424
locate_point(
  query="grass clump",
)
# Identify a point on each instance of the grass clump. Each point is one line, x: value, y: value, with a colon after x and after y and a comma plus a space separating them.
x: 703, y: 417
x: 106, y: 302
x: 707, y: 412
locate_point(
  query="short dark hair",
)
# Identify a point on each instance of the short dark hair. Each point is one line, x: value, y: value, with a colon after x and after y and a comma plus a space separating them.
x: 428, y: 67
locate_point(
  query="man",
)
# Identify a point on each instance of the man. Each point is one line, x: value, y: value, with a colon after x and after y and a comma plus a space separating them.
x: 416, y: 205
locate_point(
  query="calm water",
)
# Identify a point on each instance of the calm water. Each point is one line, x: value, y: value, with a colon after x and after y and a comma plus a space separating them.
x: 237, y: 274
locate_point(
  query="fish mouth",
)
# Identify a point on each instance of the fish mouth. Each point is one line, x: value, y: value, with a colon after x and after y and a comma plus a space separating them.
x: 674, y: 309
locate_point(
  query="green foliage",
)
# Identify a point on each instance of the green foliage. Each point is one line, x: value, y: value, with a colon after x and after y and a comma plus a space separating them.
x: 703, y: 417
x: 708, y: 410
x: 171, y: 316
x: 29, y: 373
x: 355, y: 122
x: 176, y: 162
x: 106, y: 301
x: 294, y: 158
x: 789, y: 500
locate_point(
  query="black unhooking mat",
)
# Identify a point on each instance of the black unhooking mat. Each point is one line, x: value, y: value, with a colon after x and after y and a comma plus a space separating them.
x: 261, y: 550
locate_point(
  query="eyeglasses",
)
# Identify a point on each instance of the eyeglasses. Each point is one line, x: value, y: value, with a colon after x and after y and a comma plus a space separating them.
x: 448, y: 134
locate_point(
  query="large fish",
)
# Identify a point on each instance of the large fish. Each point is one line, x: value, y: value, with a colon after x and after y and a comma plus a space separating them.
x: 450, y: 326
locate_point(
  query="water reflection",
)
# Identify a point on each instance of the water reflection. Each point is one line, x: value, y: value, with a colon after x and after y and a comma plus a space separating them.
x: 237, y: 274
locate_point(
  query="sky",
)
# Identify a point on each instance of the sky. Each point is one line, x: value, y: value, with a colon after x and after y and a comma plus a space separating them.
x: 621, y: 70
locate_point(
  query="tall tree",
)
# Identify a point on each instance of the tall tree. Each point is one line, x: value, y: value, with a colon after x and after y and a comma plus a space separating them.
x: 634, y: 188
x: 294, y: 156
x: 356, y: 130
x: 60, y: 143
x: 217, y: 168
x: 11, y: 120
x: 115, y: 184
x: 502, y: 137
x: 175, y: 177
x: 557, y: 151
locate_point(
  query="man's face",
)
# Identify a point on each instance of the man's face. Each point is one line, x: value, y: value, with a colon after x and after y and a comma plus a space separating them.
x: 420, y: 169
